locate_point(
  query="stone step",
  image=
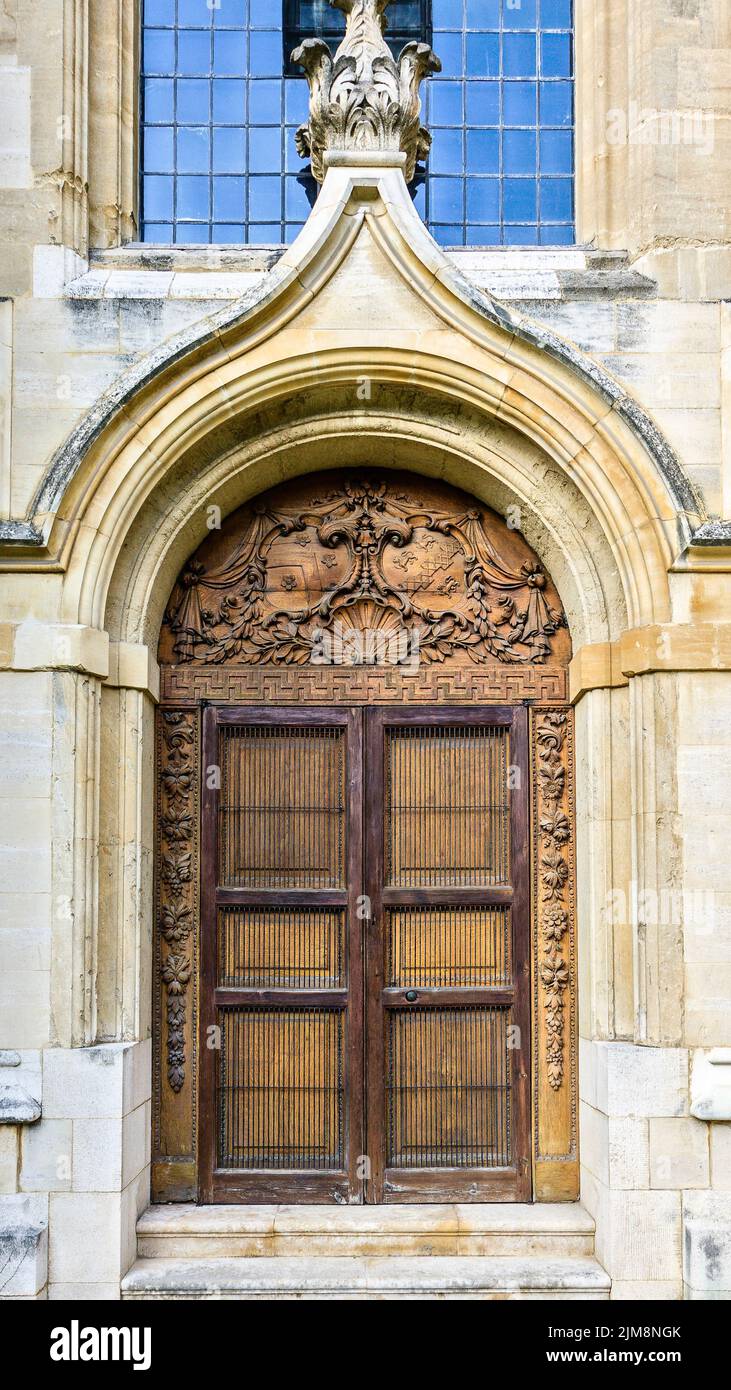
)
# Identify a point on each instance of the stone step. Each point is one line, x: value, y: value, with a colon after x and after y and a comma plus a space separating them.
x: 367, y: 1277
x: 236, y: 1232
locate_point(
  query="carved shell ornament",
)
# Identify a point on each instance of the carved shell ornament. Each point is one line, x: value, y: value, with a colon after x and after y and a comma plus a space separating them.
x: 362, y: 98
x: 375, y: 559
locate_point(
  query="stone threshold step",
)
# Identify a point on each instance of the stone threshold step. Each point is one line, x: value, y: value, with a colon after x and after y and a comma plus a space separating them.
x: 392, y: 1277
x: 188, y: 1232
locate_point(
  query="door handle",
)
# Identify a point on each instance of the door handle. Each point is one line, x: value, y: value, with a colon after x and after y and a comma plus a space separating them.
x: 411, y: 996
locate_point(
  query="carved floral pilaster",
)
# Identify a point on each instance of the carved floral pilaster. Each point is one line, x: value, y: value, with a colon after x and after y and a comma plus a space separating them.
x: 176, y: 919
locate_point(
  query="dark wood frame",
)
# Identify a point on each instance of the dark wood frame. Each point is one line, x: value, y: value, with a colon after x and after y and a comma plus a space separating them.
x: 449, y: 1185
x: 217, y: 1184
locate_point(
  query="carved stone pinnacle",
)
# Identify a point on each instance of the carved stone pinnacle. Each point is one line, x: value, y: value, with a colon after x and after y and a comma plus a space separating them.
x: 363, y: 99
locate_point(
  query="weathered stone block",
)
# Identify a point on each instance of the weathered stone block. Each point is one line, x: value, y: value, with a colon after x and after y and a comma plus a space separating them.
x: 46, y: 1161
x: 23, y: 1245
x: 707, y: 1245
x: 641, y: 1081
x: 679, y: 1154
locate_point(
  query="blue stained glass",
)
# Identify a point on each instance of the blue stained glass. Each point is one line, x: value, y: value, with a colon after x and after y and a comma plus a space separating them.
x: 197, y: 13
x: 265, y: 103
x: 555, y: 55
x: 193, y: 197
x: 556, y: 14
x: 520, y: 103
x: 159, y: 232
x: 159, y: 51
x: 292, y: 162
x: 483, y: 14
x: 449, y: 236
x: 158, y: 148
x: 481, y: 235
x: 158, y: 196
x: 192, y: 233
x: 265, y: 54
x: 483, y: 151
x: 445, y: 103
x: 557, y: 152
x: 557, y: 200
x: 219, y: 121
x: 520, y: 200
x: 265, y: 198
x: 420, y: 200
x: 483, y: 200
x: 260, y: 13
x: 296, y: 202
x: 519, y: 151
x: 265, y: 234
x: 558, y: 236
x: 194, y: 153
x: 520, y: 14
x: 231, y: 14
x: 194, y: 51
x: 449, y: 48
x: 520, y: 236
x: 193, y: 97
x: 159, y: 12
x: 519, y: 55
x: 296, y: 101
x: 229, y: 101
x: 447, y: 14
x: 557, y: 103
x: 265, y: 150
x: 483, y: 55
x: 447, y: 156
x: 159, y: 99
x: 292, y: 231
x: 482, y: 103
x: 229, y: 198
x: 228, y: 234
x: 229, y: 149
x: 446, y: 200
x: 229, y: 54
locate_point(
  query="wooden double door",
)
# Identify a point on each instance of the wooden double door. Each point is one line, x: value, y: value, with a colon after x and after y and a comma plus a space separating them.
x: 365, y: 996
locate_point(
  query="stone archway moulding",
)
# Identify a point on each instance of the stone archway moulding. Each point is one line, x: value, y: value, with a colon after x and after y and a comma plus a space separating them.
x: 446, y: 340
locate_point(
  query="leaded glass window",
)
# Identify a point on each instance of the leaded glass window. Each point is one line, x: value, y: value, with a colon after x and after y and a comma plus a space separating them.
x: 220, y: 110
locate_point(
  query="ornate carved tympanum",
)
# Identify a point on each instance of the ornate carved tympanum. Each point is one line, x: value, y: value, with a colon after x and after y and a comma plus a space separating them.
x: 356, y: 569
x: 362, y: 98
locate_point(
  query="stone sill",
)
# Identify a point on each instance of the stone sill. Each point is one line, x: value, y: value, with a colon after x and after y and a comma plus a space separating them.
x: 143, y: 271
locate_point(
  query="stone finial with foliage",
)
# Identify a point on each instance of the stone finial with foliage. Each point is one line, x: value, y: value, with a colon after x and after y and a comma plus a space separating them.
x: 364, y: 99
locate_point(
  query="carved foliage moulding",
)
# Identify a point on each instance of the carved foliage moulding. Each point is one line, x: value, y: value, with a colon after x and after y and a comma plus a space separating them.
x: 177, y: 873
x: 307, y: 573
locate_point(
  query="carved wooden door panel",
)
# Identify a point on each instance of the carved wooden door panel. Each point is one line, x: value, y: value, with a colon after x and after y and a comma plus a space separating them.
x: 448, y: 962
x: 281, y: 1025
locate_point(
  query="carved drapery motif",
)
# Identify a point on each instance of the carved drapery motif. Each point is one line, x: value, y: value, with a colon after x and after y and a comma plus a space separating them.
x: 362, y: 98
x: 366, y: 555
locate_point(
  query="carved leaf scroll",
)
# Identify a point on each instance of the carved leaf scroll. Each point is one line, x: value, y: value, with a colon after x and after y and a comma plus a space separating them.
x: 553, y: 890
x: 366, y: 555
x: 177, y: 888
x: 362, y: 98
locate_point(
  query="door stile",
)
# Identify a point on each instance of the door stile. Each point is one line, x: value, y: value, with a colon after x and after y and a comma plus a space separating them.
x: 268, y: 1185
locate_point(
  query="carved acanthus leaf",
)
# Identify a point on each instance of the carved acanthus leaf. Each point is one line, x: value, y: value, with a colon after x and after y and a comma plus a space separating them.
x: 363, y: 98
